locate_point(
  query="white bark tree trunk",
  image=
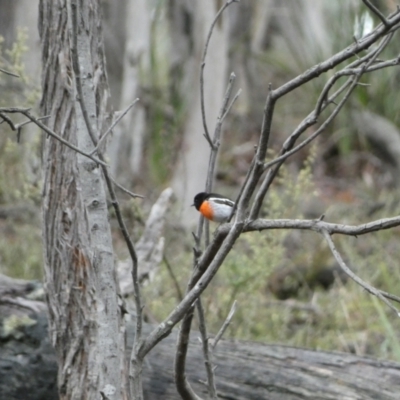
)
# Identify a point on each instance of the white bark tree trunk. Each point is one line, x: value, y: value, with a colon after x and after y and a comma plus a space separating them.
x: 126, y: 149
x: 85, y: 320
x: 191, y: 170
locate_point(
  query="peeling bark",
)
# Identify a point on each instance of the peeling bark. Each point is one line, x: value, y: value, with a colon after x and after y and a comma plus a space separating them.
x: 84, y: 317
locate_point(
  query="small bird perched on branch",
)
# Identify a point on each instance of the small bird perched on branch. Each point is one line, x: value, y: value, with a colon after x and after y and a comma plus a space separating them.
x: 213, y: 206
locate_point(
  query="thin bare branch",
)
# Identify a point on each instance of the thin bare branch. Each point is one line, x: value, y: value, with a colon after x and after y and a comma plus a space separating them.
x: 182, y: 384
x: 36, y: 121
x: 318, y: 225
x: 29, y: 122
x: 231, y: 104
x: 207, y: 353
x: 217, y: 134
x: 203, y: 64
x: 369, y: 288
x: 307, y: 122
x: 376, y: 12
x: 179, y: 293
x: 115, y: 122
x: 125, y: 190
x: 8, y: 121
x: 4, y: 71
x: 350, y: 51
x: 225, y: 325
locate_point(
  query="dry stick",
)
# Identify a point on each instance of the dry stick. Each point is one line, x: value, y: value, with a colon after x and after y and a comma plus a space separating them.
x: 208, y: 358
x: 22, y: 124
x: 217, y: 133
x: 4, y: 71
x: 8, y: 121
x: 137, y: 383
x: 125, y: 190
x: 173, y: 277
x: 37, y: 122
x: 256, y: 169
x: 370, y: 289
x: 115, y: 122
x: 203, y: 64
x: 317, y: 225
x: 225, y: 108
x: 225, y: 325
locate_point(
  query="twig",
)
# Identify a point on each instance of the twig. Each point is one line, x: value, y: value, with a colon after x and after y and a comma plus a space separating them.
x: 9, y: 73
x: 115, y: 122
x: 36, y: 121
x: 182, y: 384
x: 317, y: 225
x: 376, y: 12
x: 203, y: 64
x: 173, y: 277
x: 307, y: 122
x: 207, y: 354
x: 231, y: 104
x: 370, y: 289
x: 125, y: 190
x: 225, y: 325
x: 29, y: 122
x: 217, y: 133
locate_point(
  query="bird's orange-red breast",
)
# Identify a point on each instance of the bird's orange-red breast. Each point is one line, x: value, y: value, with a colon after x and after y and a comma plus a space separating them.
x: 213, y: 206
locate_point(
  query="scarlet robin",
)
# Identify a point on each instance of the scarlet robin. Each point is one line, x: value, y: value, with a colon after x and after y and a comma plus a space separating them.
x: 213, y: 206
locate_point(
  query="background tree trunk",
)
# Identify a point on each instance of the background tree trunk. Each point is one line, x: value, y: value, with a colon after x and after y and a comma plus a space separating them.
x: 190, y: 22
x: 126, y: 148
x: 79, y: 262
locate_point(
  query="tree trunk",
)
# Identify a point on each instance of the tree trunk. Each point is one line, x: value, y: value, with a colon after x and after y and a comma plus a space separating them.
x: 245, y: 371
x: 126, y: 149
x: 84, y: 317
x: 190, y: 22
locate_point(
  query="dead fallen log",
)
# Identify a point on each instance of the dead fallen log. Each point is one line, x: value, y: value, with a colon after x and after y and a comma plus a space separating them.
x: 244, y: 370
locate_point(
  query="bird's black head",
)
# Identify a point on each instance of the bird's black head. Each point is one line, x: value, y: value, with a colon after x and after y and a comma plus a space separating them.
x: 199, y: 198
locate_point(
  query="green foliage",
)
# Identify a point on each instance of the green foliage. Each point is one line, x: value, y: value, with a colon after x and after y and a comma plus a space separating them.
x: 21, y: 249
x: 20, y: 238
